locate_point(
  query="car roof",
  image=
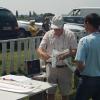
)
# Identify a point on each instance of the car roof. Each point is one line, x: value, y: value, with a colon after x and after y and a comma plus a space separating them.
x: 1, y: 8
x: 5, y: 9
x: 74, y: 16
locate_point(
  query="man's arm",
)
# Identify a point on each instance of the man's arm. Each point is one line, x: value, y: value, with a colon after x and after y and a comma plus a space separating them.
x: 42, y: 48
x: 70, y: 53
x: 81, y: 54
x: 43, y: 54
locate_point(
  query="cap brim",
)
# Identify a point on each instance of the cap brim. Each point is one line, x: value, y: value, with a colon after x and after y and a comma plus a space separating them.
x: 56, y: 27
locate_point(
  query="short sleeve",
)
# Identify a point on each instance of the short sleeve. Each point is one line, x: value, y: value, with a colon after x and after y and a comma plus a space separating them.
x: 73, y: 41
x: 81, y: 51
x: 44, y: 41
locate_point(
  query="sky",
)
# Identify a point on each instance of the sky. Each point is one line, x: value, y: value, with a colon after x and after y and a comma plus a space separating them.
x: 57, y: 7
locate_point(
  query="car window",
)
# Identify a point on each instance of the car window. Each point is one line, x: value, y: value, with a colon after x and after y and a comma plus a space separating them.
x: 78, y: 20
x: 8, y: 25
x: 6, y: 16
x: 66, y: 19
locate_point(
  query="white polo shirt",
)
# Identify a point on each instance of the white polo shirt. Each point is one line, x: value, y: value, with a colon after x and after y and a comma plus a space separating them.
x: 50, y: 41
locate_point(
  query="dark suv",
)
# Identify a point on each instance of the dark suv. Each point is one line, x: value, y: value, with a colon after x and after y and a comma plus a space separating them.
x: 8, y: 25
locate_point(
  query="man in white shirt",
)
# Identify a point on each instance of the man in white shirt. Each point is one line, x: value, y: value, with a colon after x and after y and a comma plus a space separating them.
x: 58, y: 39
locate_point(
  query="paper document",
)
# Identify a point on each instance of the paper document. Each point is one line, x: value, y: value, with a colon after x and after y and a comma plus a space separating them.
x: 54, y: 57
x: 55, y: 53
x: 20, y: 84
x: 68, y: 62
x: 15, y: 78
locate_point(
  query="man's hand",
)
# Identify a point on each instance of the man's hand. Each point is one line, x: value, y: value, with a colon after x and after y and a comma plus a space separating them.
x: 61, y: 57
x: 45, y: 56
x: 77, y: 73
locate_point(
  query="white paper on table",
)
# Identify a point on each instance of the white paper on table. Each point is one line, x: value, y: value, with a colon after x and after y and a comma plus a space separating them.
x: 68, y: 62
x: 16, y: 78
x: 20, y: 80
x: 19, y: 84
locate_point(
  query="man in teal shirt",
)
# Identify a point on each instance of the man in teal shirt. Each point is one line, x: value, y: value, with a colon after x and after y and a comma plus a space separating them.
x: 88, y: 60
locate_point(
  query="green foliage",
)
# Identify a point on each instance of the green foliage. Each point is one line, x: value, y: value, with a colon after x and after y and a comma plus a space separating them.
x: 17, y: 13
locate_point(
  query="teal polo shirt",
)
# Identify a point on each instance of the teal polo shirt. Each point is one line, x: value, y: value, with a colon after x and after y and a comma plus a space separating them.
x: 89, y: 53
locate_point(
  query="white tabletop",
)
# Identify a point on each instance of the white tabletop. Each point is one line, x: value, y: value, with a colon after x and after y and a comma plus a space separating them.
x: 42, y: 86
x: 4, y: 95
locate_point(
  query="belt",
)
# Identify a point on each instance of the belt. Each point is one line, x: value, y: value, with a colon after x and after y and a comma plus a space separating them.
x: 48, y: 62
x: 61, y: 66
x: 58, y: 66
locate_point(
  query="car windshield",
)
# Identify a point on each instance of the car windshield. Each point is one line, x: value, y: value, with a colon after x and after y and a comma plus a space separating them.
x: 78, y: 20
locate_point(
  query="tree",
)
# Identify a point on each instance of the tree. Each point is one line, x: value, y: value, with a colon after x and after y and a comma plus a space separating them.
x: 16, y: 13
x: 49, y: 15
x: 30, y: 14
x: 34, y: 14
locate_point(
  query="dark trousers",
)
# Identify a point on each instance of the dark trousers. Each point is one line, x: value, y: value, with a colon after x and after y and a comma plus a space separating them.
x: 89, y: 87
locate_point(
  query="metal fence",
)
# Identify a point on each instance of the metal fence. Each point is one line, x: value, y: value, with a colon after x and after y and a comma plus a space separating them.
x: 14, y: 52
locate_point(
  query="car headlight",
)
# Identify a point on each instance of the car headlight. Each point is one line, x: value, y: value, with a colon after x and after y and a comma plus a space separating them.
x: 78, y: 33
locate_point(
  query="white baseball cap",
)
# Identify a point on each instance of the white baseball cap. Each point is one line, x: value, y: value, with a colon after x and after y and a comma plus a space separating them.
x: 57, y: 22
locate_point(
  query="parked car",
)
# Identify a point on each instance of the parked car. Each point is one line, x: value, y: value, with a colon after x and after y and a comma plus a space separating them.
x: 83, y: 11
x: 79, y: 20
x: 8, y: 25
x: 76, y: 25
x: 23, y: 27
x: 78, y: 30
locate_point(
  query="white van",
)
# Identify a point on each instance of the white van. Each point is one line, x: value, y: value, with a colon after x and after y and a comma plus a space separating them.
x: 84, y: 11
